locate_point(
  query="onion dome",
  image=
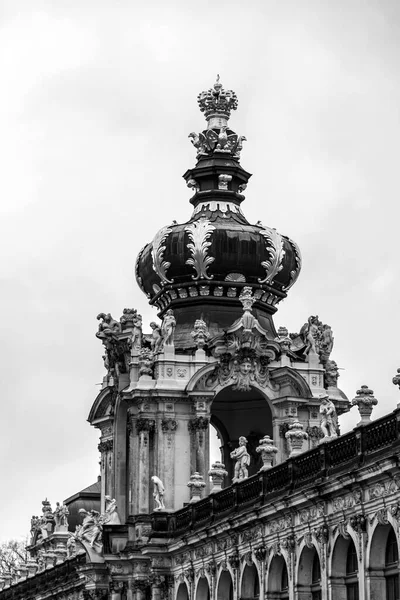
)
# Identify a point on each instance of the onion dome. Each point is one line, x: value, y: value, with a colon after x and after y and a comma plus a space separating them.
x: 210, y: 258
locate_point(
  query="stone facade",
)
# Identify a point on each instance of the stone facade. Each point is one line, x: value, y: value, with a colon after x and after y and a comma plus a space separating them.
x: 291, y: 508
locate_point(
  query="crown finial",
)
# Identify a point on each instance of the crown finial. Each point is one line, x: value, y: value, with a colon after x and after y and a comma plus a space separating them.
x: 217, y: 104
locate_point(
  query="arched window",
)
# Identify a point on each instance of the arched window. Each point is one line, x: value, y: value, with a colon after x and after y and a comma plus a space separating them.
x: 284, y: 583
x: 250, y: 583
x: 391, y: 567
x: 316, y: 579
x: 352, y: 572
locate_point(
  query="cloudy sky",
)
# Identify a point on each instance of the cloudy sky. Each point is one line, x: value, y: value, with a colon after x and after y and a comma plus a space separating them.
x: 97, y: 101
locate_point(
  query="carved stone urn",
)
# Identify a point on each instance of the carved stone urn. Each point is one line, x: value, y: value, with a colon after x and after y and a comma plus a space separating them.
x: 196, y: 485
x: 267, y: 451
x: 217, y: 474
x: 296, y: 436
x: 365, y: 402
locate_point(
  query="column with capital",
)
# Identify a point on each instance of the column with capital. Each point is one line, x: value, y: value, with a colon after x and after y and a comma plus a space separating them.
x: 116, y: 589
x: 166, y: 460
x: 198, y: 428
x: 145, y: 430
x: 106, y: 448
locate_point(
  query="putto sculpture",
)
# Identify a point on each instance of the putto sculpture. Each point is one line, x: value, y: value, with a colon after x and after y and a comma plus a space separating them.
x: 329, y: 422
x: 158, y: 493
x: 242, y: 458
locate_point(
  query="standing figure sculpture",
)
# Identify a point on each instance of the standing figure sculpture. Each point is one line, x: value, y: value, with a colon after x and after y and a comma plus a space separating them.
x: 158, y: 493
x: 61, y: 516
x: 168, y: 327
x: 111, y: 516
x: 329, y: 420
x: 156, y: 338
x: 242, y: 460
x: 136, y: 339
x: 311, y: 333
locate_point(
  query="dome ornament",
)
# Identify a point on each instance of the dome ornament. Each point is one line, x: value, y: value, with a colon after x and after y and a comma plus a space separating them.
x: 217, y: 104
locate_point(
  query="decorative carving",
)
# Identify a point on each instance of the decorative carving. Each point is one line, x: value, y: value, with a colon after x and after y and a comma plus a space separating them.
x: 267, y: 451
x: 348, y: 501
x: 168, y: 328
x: 277, y: 253
x: 108, y: 326
x: 342, y: 528
x: 223, y: 181
x: 396, y: 379
x: 251, y: 534
x: 158, y: 493
x: 331, y: 373
x: 312, y: 513
x: 145, y: 425
x: 199, y: 233
x: 283, y: 429
x: 198, y: 424
x: 329, y: 422
x: 242, y: 458
x: 146, y: 362
x: 381, y: 516
x: 200, y: 333
x: 296, y: 271
x: 161, y: 266
x: 196, y: 485
x: 296, y: 437
x: 105, y: 446
x: 234, y: 561
x: 365, y: 401
x: 168, y: 425
x: 358, y: 523
x: 217, y: 100
x: 217, y: 474
x: 260, y: 553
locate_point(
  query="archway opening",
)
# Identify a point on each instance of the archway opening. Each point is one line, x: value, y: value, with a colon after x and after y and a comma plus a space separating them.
x: 203, y: 589
x: 344, y: 578
x: 182, y: 593
x: 309, y: 573
x: 278, y: 580
x: 384, y: 563
x: 225, y: 586
x: 250, y: 583
x: 235, y: 414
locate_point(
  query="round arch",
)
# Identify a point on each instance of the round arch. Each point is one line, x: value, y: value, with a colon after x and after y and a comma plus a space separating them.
x: 383, y: 577
x: 250, y: 583
x: 182, y: 592
x: 202, y: 589
x: 277, y: 578
x: 344, y: 565
x: 225, y: 586
x: 309, y: 570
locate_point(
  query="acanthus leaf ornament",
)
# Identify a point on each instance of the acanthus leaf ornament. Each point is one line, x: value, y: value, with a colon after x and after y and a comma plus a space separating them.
x: 294, y: 274
x: 139, y: 280
x: 199, y: 233
x: 274, y: 265
x: 161, y: 266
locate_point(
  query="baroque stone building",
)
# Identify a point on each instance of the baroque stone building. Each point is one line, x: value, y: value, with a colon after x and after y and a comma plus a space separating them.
x: 291, y: 509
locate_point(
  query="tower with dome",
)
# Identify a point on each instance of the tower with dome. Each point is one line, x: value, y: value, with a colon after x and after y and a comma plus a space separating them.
x: 286, y: 507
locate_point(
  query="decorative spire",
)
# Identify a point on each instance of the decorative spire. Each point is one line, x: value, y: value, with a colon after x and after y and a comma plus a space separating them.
x: 216, y: 104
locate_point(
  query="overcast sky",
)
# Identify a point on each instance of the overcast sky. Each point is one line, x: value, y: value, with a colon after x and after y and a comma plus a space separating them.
x: 98, y: 98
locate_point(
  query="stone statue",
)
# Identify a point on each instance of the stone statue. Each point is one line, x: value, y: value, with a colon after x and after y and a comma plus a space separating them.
x: 111, y: 516
x: 326, y: 343
x: 91, y: 528
x: 108, y: 326
x: 242, y: 458
x: 200, y: 333
x: 61, y: 517
x: 158, y: 493
x: 331, y: 373
x: 136, y: 339
x: 311, y: 333
x: 156, y: 338
x: 146, y: 362
x: 168, y: 327
x: 329, y: 421
x: 71, y: 546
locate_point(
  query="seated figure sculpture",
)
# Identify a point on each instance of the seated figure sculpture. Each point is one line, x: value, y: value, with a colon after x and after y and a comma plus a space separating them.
x: 242, y: 460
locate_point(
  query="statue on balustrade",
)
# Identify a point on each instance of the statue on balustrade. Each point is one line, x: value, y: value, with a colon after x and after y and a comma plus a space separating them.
x: 242, y: 458
x: 156, y: 338
x: 329, y: 421
x: 158, y: 493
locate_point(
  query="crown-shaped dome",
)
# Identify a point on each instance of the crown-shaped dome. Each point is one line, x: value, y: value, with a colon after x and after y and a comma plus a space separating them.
x: 211, y: 257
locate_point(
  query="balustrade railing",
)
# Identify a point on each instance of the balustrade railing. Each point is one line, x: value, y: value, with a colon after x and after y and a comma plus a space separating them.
x: 346, y: 452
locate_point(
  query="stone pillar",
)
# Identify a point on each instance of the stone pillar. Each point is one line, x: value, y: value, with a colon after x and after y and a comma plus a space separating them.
x: 106, y: 448
x: 198, y: 428
x: 145, y: 428
x: 166, y: 459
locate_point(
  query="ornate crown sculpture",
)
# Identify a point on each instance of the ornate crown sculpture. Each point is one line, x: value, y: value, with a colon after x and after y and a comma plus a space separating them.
x: 217, y: 102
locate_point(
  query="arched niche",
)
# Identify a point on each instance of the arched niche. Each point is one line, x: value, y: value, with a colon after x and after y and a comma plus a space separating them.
x: 182, y: 593
x: 344, y: 569
x: 202, y: 589
x: 225, y: 586
x: 309, y: 573
x: 235, y: 414
x: 383, y: 562
x: 250, y: 586
x: 277, y: 580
